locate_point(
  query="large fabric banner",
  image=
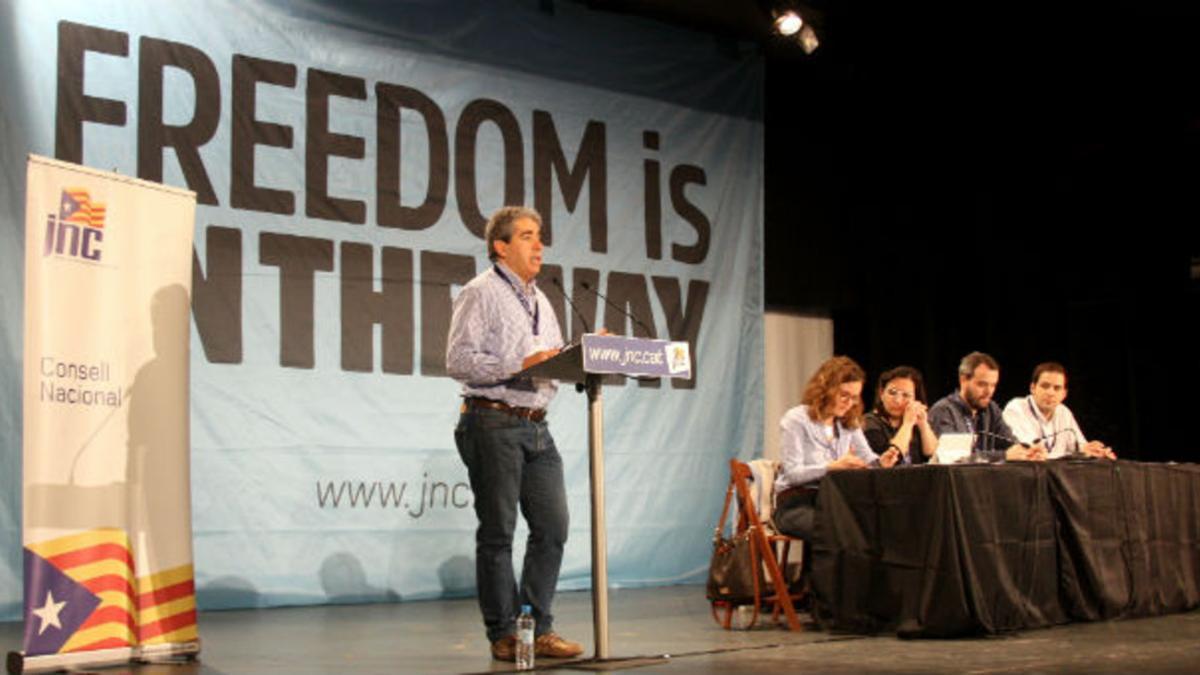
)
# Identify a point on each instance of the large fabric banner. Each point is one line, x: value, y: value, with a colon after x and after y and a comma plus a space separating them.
x: 107, y: 523
x: 344, y: 157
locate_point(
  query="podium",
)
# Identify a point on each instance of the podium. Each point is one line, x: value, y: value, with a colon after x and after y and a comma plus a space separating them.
x: 585, y: 364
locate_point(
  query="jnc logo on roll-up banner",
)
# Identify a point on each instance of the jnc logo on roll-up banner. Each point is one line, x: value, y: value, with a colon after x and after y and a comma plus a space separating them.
x: 78, y: 229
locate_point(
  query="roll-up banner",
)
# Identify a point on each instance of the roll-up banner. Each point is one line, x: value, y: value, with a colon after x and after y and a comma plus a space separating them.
x: 107, y: 502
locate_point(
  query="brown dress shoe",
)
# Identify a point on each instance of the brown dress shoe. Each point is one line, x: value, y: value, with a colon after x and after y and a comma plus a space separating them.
x: 505, y: 649
x: 553, y: 646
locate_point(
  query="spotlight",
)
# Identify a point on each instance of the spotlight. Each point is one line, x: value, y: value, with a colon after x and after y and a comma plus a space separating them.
x: 788, y: 22
x: 798, y: 22
x: 808, y: 40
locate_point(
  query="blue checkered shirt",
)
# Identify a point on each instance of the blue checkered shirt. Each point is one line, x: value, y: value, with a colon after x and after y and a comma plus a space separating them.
x: 491, y: 333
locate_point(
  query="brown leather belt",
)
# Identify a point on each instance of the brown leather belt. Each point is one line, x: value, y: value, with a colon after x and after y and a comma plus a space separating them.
x: 798, y: 493
x: 531, y: 414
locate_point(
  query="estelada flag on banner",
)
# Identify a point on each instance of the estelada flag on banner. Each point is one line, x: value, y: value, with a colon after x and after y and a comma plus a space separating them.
x: 77, y: 207
x: 79, y: 593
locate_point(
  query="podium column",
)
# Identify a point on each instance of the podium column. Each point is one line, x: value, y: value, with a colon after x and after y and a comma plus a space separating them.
x: 599, y: 539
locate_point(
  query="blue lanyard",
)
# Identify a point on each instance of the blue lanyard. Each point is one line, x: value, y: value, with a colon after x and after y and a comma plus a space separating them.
x: 1038, y: 418
x: 968, y: 416
x: 522, y: 298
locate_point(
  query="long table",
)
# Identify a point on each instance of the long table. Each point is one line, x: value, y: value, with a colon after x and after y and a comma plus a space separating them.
x: 943, y: 551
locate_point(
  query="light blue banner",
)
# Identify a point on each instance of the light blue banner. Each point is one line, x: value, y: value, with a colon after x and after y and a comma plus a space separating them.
x: 344, y: 156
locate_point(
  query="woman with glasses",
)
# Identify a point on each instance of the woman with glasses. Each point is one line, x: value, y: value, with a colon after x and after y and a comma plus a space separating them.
x: 821, y: 434
x: 899, y: 419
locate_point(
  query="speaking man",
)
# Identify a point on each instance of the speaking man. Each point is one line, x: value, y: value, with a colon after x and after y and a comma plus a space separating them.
x: 971, y: 410
x: 502, y: 324
x: 1042, y: 418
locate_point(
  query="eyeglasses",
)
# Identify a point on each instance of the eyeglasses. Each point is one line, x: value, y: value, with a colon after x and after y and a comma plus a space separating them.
x: 896, y: 393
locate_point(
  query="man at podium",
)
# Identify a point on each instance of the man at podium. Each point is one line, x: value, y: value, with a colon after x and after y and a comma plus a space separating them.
x: 502, y: 324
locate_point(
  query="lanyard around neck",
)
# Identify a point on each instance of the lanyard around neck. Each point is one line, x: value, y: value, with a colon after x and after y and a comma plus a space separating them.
x: 533, y: 312
x: 1049, y: 442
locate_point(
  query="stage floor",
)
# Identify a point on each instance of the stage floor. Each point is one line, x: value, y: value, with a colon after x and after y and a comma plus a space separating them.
x: 446, y: 637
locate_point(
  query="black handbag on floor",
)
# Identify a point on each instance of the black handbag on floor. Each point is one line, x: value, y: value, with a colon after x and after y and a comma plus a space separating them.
x: 731, y: 571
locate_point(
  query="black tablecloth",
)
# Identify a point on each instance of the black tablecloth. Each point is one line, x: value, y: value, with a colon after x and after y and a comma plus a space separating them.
x: 939, y: 551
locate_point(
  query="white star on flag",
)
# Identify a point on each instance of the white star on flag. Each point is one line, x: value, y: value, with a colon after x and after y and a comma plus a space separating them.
x: 48, y: 613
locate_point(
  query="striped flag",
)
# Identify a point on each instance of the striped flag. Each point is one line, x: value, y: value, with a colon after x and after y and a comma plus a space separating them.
x: 77, y: 207
x: 167, y: 607
x: 79, y: 593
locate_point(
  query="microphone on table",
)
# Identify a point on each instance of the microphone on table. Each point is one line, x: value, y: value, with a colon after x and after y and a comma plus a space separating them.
x: 1002, y: 437
x: 1007, y: 439
x: 1077, y: 452
x: 1054, y: 434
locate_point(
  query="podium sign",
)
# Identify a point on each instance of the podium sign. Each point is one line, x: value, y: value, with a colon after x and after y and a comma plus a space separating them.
x: 638, y: 357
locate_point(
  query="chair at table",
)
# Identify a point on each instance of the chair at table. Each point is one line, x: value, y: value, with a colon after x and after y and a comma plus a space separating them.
x: 754, y: 498
x: 763, y: 475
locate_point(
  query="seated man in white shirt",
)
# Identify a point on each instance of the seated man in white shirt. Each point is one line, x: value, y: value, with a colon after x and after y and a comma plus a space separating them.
x: 1041, y: 416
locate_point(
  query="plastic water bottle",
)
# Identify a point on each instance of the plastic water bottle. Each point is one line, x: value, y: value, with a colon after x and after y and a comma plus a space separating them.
x: 743, y: 616
x: 525, y: 638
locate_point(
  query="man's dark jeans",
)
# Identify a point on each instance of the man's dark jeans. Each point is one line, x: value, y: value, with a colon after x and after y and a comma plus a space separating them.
x: 513, y: 462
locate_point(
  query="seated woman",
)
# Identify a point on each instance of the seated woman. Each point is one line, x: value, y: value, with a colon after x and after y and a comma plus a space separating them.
x: 821, y: 434
x: 899, y: 418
